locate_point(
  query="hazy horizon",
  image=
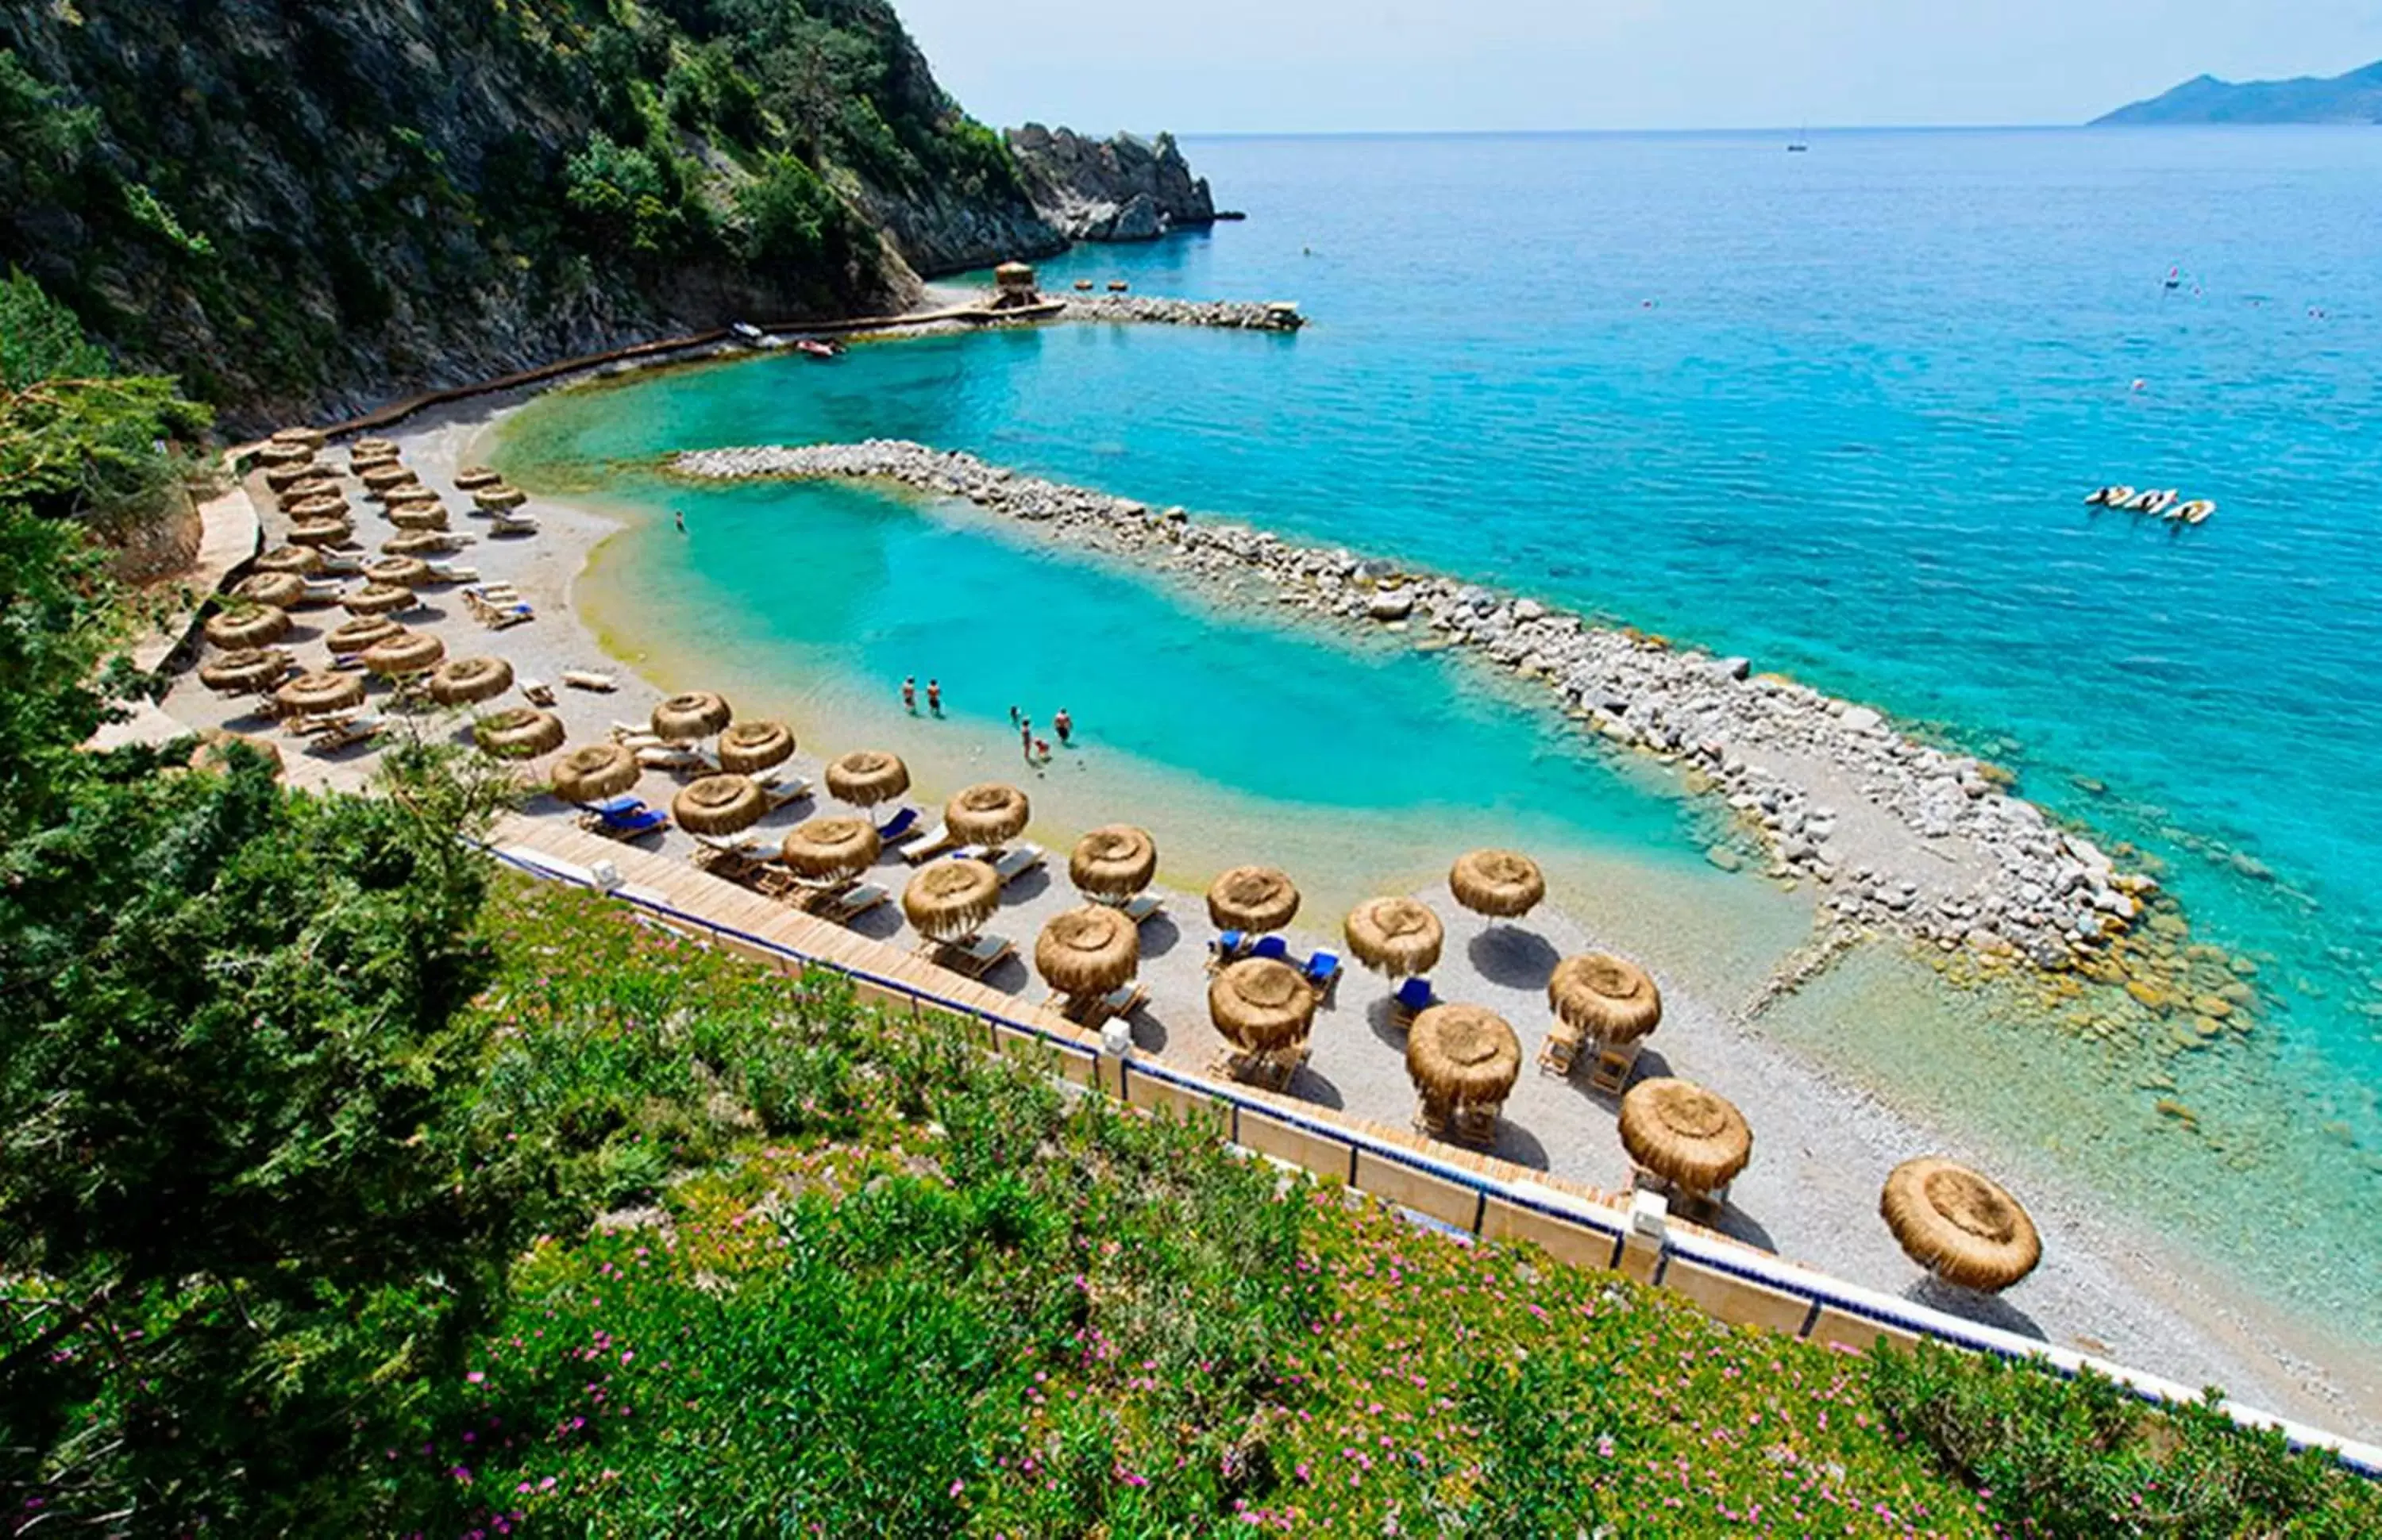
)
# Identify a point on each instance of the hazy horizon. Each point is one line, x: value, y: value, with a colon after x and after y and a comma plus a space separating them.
x: 1385, y: 66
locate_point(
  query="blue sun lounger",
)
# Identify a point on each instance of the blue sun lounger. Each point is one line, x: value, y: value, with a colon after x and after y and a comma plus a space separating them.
x: 899, y: 827
x: 1226, y: 947
x: 1322, y: 969
x: 1271, y: 946
x: 631, y: 822
x: 1411, y: 1000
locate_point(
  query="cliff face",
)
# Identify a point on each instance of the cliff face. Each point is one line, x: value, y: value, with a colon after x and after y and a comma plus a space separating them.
x: 1121, y: 188
x: 299, y: 207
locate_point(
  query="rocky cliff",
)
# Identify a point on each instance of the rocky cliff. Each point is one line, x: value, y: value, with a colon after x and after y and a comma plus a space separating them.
x: 1120, y: 188
x: 299, y: 207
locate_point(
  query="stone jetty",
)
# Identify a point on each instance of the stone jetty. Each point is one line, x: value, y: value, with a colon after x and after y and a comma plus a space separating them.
x: 1231, y: 314
x: 1901, y: 836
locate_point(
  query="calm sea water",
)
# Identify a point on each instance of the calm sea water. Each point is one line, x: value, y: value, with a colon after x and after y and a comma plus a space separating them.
x: 1836, y: 412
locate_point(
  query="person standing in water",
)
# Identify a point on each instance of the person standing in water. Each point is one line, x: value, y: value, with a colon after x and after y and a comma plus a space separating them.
x: 1025, y: 736
x: 680, y: 514
x: 1064, y: 726
x: 910, y: 694
x: 935, y: 696
x: 1014, y: 717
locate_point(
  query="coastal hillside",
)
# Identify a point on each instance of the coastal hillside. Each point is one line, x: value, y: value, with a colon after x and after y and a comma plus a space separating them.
x: 2355, y: 97
x: 1123, y: 188
x: 295, y: 206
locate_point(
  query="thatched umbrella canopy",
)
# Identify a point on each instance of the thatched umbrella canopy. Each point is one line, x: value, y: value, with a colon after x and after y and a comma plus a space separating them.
x: 725, y: 803
x: 518, y: 732
x: 1960, y: 1225
x: 281, y: 478
x: 831, y: 850
x: 754, y: 745
x: 279, y: 454
x: 950, y: 900
x: 867, y: 777
x: 281, y: 590
x: 472, y: 478
x: 1400, y: 937
x: 325, y: 689
x: 316, y: 506
x: 247, y: 625
x: 295, y: 559
x: 411, y: 491
x: 377, y: 599
x: 1252, y: 898
x: 414, y: 543
x: 1503, y: 885
x: 499, y: 499
x: 363, y: 631
x: 249, y: 668
x: 468, y: 681
x: 1089, y: 950
x: 213, y: 753
x: 321, y: 531
x: 426, y: 518
x: 373, y: 446
x: 404, y: 654
x: 307, y: 439
x: 402, y: 572
x: 1114, y: 862
x: 1685, y: 1134
x: 684, y: 718
x: 596, y: 771
x: 987, y: 813
x: 1607, y: 998
x: 1260, y: 1005
x: 385, y: 476
x: 1459, y: 1054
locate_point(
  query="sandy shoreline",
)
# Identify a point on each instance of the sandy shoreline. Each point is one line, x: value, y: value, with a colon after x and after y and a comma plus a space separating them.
x: 1822, y: 1142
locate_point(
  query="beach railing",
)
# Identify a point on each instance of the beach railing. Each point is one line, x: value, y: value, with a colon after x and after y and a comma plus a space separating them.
x: 1470, y: 1194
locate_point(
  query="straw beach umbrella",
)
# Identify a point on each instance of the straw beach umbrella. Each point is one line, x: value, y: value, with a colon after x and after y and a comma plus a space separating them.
x: 415, y: 542
x: 867, y: 777
x: 826, y: 852
x: 469, y: 681
x: 361, y: 632
x: 696, y: 713
x: 246, y: 625
x: 316, y: 506
x: 1684, y: 1134
x: 244, y: 671
x: 281, y: 590
x: 721, y: 804
x: 377, y: 599
x: 986, y: 814
x: 1087, y: 951
x: 1113, y: 863
x: 594, y: 772
x: 307, y: 439
x: 404, y: 655
x: 1960, y: 1225
x: 321, y: 531
x: 386, y: 477
x: 1260, y: 1005
x: 422, y: 518
x: 1604, y: 998
x: 1397, y: 937
x: 373, y: 446
x: 213, y: 754
x: 402, y: 572
x: 472, y: 478
x: 1502, y: 884
x: 753, y: 746
x: 325, y: 689
x: 1463, y: 1060
x: 950, y: 900
x: 499, y: 499
x: 296, y: 559
x: 518, y: 732
x: 1252, y: 898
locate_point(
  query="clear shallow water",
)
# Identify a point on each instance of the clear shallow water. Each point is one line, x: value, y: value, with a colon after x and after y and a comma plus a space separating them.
x: 1834, y: 411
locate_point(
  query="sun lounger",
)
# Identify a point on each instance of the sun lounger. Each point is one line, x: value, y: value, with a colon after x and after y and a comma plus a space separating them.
x: 662, y: 756
x: 538, y: 692
x: 733, y: 844
x: 1017, y: 860
x: 1413, y: 997
x: 902, y: 825
x: 1322, y: 972
x: 845, y: 905
x: 496, y: 593
x: 977, y: 957
x: 449, y: 572
x: 345, y: 734
x: 630, y: 824
x: 627, y: 802
x: 318, y: 591
x: 1273, y: 947
x: 306, y: 726
x: 1142, y: 907
x: 1227, y: 947
x: 511, y: 523
x: 1092, y: 1012
x: 778, y: 789
x: 581, y: 678
x: 927, y: 846
x: 341, y: 562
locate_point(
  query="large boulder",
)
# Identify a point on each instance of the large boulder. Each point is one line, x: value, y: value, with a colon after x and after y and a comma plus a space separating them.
x: 1120, y: 188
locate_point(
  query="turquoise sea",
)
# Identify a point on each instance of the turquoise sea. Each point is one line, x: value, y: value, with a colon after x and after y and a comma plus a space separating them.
x: 1836, y: 412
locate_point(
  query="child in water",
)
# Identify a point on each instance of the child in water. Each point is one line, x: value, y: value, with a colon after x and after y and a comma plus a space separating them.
x: 910, y: 696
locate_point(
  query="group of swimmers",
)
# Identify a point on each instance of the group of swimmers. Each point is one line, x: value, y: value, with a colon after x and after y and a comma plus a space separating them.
x: 1036, y: 750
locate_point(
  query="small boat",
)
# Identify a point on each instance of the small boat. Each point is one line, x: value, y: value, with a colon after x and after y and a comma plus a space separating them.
x: 2115, y: 497
x: 2138, y: 501
x: 2156, y: 503
x: 815, y: 347
x: 2197, y: 511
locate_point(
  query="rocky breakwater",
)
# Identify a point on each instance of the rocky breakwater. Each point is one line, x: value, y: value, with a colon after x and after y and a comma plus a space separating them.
x: 1121, y: 188
x: 1275, y: 315
x: 1901, y: 835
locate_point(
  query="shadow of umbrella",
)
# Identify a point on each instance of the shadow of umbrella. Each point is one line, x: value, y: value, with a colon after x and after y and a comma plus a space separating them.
x: 1970, y: 1305
x: 1512, y: 958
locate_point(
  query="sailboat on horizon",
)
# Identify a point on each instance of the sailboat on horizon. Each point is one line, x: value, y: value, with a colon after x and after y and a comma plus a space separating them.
x: 1801, y: 143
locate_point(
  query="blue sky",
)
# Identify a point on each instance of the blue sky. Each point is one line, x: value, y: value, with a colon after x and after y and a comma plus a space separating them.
x: 1252, y: 65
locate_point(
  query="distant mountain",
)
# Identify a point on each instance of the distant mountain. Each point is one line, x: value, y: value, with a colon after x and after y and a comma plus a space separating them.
x: 2355, y: 97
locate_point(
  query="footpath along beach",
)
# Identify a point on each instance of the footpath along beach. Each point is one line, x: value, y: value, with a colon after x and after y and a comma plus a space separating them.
x: 1903, y: 836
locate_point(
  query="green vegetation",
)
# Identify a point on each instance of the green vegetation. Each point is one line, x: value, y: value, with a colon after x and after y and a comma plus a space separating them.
x: 348, y: 196
x: 346, y: 1189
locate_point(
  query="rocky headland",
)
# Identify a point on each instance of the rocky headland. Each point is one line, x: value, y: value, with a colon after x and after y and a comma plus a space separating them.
x: 1123, y: 188
x: 1902, y: 836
